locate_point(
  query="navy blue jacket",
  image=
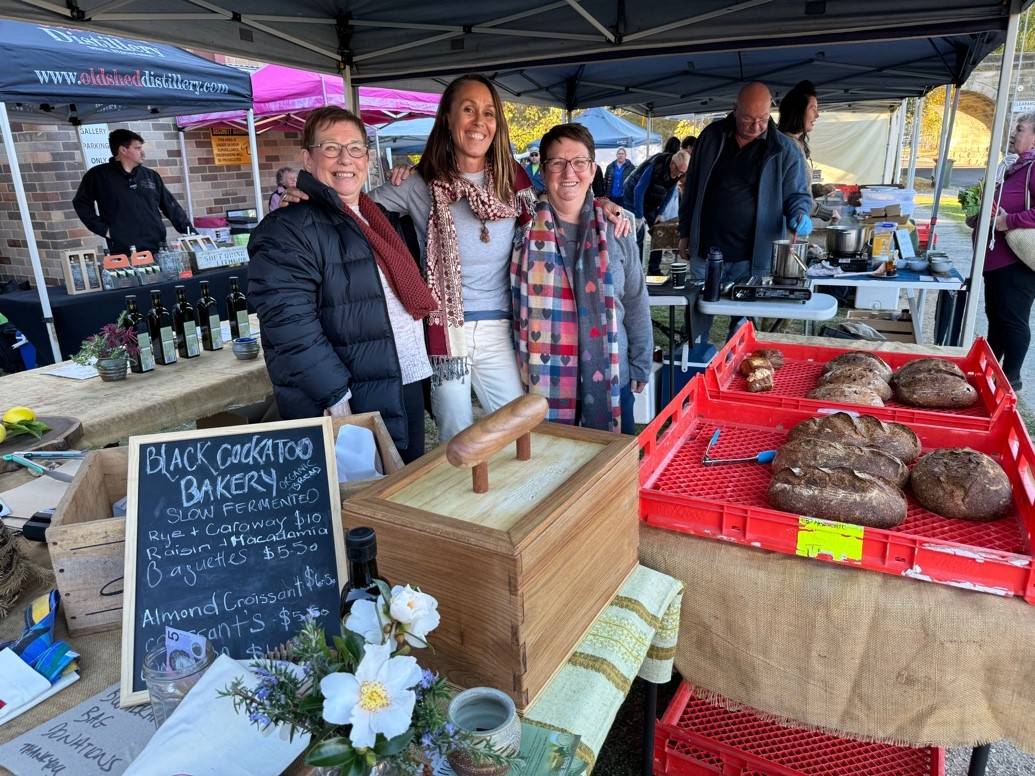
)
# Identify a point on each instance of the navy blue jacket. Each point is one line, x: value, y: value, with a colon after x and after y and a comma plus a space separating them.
x: 783, y: 189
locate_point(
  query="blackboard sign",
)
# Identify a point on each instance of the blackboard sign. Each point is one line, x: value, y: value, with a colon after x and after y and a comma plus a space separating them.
x: 232, y: 533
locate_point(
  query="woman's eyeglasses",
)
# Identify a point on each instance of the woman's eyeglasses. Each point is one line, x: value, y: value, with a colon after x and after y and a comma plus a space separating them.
x: 334, y: 150
x: 579, y: 164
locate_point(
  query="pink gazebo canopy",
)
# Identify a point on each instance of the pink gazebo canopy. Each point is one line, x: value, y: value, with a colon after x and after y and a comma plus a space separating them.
x: 282, y: 96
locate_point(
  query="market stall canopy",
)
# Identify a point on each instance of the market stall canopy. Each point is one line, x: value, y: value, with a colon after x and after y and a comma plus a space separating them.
x: 612, y: 131
x: 406, y: 137
x: 283, y: 96
x: 55, y: 74
x: 382, y: 42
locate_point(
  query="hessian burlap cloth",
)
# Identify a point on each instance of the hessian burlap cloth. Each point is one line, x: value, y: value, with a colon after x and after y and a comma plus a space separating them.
x: 861, y: 653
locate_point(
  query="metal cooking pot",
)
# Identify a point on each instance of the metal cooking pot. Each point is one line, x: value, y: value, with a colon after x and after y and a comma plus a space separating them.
x: 789, y: 259
x: 845, y: 240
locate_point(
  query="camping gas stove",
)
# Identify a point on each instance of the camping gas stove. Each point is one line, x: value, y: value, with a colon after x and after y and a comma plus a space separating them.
x: 768, y: 289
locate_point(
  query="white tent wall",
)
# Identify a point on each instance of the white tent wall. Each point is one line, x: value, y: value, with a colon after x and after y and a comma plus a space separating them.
x: 849, y: 146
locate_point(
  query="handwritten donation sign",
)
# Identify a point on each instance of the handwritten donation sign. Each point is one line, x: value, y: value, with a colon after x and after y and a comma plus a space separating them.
x: 232, y: 533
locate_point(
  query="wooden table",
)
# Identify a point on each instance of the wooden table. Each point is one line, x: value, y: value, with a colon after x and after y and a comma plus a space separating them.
x: 165, y: 398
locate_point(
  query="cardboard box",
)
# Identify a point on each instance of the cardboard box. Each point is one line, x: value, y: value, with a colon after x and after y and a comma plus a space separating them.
x: 521, y: 571
x: 86, y: 542
x: 893, y: 330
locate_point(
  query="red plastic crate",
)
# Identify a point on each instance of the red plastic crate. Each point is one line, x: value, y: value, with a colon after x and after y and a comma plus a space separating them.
x: 699, y: 738
x: 729, y: 503
x: 803, y: 365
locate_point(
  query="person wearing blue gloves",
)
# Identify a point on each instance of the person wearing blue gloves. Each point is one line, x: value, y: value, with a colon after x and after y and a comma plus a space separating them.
x: 745, y: 187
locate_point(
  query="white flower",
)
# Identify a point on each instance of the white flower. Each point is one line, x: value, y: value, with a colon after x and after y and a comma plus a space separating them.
x: 417, y: 612
x: 368, y: 619
x: 376, y: 699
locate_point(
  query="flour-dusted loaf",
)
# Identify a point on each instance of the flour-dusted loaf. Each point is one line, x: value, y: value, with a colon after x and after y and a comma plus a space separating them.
x: 862, y: 376
x: 847, y: 393
x: 935, y: 390
x: 863, y: 359
x: 925, y: 365
x: 962, y: 483
x: 838, y: 494
x: 828, y: 454
x: 862, y: 430
x: 753, y: 362
x: 760, y: 380
x: 772, y: 355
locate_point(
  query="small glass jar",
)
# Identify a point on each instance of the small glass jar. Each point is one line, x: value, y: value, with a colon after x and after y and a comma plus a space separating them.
x: 168, y: 686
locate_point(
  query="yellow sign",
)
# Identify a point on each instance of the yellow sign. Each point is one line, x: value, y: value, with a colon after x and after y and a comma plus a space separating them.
x: 230, y: 146
x: 828, y: 539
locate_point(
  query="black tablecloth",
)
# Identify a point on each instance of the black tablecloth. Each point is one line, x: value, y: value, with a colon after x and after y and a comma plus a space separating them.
x: 77, y: 317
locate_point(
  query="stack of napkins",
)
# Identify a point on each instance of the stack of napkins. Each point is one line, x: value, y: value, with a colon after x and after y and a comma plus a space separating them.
x: 21, y: 687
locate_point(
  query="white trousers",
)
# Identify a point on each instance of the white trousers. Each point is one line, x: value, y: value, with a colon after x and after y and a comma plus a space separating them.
x: 494, y: 376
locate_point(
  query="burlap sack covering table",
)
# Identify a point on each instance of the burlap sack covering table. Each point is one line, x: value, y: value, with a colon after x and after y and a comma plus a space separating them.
x: 860, y: 653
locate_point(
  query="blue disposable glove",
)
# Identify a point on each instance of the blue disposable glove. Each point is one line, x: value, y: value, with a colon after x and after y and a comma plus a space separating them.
x: 802, y: 225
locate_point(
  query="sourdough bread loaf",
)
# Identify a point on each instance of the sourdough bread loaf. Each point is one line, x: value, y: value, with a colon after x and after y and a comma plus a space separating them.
x: 862, y: 430
x: 863, y: 359
x: 935, y: 390
x: 828, y: 454
x: 961, y: 483
x: 847, y: 393
x: 923, y: 365
x: 838, y: 494
x: 751, y: 363
x: 862, y: 376
x: 772, y: 355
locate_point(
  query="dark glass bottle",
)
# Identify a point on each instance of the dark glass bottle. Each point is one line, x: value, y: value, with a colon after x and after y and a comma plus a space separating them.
x: 135, y: 322
x: 237, y: 311
x: 187, y: 342
x: 361, y: 551
x: 160, y: 326
x: 207, y: 312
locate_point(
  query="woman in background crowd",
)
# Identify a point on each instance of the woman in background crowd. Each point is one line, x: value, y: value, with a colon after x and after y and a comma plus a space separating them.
x: 799, y: 110
x: 581, y: 318
x: 286, y: 179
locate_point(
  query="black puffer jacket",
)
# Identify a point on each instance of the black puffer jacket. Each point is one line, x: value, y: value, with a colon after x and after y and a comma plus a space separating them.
x: 323, y: 320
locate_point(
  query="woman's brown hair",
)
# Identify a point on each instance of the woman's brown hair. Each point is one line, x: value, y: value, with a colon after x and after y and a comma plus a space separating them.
x: 324, y: 117
x: 439, y: 159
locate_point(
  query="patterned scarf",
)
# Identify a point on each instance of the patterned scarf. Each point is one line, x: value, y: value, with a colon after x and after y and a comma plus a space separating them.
x: 447, y: 344
x: 566, y: 330
x: 394, y: 259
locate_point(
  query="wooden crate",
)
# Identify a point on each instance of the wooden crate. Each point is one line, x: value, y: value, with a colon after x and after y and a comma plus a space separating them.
x: 520, y: 572
x: 87, y: 544
x: 84, y: 265
x: 893, y: 330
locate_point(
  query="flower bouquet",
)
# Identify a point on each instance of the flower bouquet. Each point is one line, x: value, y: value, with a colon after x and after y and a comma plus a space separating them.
x: 363, y: 699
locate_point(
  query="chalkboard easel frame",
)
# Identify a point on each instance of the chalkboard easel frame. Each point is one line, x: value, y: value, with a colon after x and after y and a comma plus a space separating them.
x: 129, y: 697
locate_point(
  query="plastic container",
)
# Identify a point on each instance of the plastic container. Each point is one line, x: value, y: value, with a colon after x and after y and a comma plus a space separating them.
x: 803, y: 364
x: 699, y: 738
x: 729, y: 503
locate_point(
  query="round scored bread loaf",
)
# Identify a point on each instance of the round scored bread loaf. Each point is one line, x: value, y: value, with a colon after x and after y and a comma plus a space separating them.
x: 961, y: 483
x: 923, y: 365
x: 828, y: 454
x: 860, y: 358
x: 772, y: 355
x: 838, y: 494
x: 847, y: 393
x: 862, y: 430
x: 857, y: 375
x: 935, y: 390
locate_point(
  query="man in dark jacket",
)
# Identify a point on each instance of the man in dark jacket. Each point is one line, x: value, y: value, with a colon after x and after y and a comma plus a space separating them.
x: 650, y: 186
x: 746, y: 181
x: 326, y: 334
x: 130, y: 198
x: 535, y: 171
x: 617, y: 174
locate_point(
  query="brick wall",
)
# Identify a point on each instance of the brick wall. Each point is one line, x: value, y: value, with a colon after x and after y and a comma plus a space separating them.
x: 52, y: 167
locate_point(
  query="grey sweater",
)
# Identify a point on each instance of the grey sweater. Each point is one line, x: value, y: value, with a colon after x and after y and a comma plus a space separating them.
x: 485, y: 266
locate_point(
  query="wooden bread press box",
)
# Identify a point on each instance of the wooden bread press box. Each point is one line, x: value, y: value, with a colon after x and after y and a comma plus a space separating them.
x: 522, y: 552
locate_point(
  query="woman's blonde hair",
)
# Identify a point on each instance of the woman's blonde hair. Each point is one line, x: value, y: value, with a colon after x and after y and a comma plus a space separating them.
x: 439, y: 159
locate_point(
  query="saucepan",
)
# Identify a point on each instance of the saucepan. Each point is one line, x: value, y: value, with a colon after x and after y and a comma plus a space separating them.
x: 789, y: 259
x: 843, y: 240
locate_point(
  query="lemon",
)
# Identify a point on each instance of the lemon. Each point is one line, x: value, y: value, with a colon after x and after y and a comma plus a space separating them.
x: 18, y: 415
x: 3, y: 434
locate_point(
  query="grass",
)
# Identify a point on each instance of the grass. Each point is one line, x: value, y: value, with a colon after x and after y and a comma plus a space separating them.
x: 949, y: 208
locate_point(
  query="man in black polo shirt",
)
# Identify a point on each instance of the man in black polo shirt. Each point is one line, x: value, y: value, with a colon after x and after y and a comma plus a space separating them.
x: 130, y: 198
x: 746, y: 184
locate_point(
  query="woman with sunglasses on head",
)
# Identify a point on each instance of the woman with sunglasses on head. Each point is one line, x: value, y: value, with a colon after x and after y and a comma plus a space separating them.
x: 340, y: 297
x: 466, y: 196
x: 581, y: 316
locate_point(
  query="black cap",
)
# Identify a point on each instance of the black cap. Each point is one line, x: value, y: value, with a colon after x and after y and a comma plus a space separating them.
x: 361, y: 544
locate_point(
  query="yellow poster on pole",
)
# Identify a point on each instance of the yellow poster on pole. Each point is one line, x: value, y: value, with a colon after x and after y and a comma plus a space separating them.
x: 230, y: 146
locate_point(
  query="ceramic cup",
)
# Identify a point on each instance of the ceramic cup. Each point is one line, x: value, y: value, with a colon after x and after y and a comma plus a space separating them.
x: 246, y: 348
x: 678, y: 271
x: 490, y: 716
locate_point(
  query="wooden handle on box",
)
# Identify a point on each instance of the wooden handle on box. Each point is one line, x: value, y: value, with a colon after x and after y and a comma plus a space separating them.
x: 474, y: 446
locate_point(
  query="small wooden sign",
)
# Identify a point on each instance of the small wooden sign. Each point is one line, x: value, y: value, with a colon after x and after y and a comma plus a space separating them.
x: 232, y: 533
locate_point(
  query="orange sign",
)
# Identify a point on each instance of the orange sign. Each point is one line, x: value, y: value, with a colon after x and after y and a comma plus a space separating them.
x: 230, y: 146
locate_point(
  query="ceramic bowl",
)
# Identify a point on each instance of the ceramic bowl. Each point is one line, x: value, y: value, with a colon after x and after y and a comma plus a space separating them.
x: 490, y: 715
x: 941, y: 265
x: 246, y: 348
x: 917, y: 265
x: 901, y: 263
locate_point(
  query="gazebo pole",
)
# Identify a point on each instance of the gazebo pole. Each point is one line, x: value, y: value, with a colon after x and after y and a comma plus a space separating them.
x: 30, y: 235
x: 984, y: 221
x: 253, y: 147
x: 185, y: 167
x: 650, y: 128
x: 939, y: 183
x: 897, y: 171
x: 914, y: 141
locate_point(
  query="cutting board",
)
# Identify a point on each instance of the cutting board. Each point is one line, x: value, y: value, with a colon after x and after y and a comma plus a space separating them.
x: 64, y: 432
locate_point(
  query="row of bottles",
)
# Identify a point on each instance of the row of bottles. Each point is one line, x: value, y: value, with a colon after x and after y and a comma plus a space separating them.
x: 164, y: 336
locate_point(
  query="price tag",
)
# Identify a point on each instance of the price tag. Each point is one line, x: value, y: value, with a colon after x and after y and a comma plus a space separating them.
x: 828, y: 539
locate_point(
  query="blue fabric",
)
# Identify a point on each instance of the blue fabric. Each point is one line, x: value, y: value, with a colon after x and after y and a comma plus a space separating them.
x: 37, y: 647
x: 616, y: 182
x: 642, y: 187
x: 626, y: 400
x: 536, y: 178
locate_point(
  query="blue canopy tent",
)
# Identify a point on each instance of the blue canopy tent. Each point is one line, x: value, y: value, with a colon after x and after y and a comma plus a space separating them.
x: 53, y: 74
x: 609, y: 130
x: 405, y: 137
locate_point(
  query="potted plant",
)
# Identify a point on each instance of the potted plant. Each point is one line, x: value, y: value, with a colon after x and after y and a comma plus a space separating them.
x: 109, y: 351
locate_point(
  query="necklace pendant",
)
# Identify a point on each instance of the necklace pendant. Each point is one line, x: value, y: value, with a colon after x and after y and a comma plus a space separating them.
x: 485, y: 233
